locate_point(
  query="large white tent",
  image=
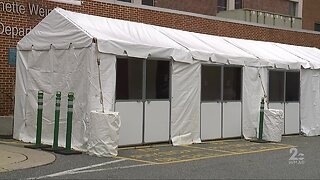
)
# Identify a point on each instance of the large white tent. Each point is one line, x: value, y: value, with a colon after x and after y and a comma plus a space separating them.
x: 61, y: 54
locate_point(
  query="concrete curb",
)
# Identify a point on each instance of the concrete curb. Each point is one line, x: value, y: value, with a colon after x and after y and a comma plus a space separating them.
x: 14, y: 158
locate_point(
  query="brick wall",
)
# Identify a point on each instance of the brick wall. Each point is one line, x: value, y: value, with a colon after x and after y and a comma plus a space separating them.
x: 178, y: 21
x: 206, y: 7
x: 276, y: 6
x: 310, y: 13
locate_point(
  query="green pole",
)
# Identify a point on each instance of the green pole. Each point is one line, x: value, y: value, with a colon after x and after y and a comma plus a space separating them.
x: 69, y: 120
x: 39, y: 118
x: 261, y: 119
x: 56, y: 121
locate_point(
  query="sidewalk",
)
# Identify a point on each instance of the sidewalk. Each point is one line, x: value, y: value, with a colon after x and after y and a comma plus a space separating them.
x: 14, y: 156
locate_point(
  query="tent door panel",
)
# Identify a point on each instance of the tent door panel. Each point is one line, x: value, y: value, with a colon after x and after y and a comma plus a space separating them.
x: 292, y: 118
x: 278, y: 105
x: 156, y: 121
x: 210, y: 120
x: 131, y: 117
x: 231, y: 119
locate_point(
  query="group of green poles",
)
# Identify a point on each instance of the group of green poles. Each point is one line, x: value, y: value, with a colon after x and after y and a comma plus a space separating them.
x: 55, y: 145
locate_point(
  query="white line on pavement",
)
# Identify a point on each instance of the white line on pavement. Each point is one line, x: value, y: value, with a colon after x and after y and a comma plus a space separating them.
x: 113, y: 168
x: 72, y: 171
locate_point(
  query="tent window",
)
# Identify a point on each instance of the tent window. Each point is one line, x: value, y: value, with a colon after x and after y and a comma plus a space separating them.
x: 292, y: 86
x: 232, y: 83
x: 276, y: 86
x: 129, y: 79
x: 157, y: 79
x: 211, y: 83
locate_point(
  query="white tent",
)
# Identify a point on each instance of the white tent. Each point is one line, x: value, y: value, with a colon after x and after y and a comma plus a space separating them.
x: 62, y: 51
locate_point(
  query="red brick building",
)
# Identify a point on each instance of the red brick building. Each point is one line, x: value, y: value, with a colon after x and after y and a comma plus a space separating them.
x: 17, y: 17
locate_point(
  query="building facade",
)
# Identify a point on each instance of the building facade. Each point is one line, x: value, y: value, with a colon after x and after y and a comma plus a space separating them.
x: 18, y: 17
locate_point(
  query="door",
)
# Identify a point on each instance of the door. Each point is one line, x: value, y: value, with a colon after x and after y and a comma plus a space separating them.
x: 129, y: 101
x: 292, y: 105
x: 142, y: 100
x: 210, y: 102
x: 232, y: 82
x: 157, y: 104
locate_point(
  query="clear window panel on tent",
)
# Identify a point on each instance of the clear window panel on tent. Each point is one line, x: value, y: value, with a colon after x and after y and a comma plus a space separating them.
x: 158, y: 82
x: 276, y: 86
x: 211, y: 83
x: 292, y: 86
x: 129, y: 79
x: 232, y: 78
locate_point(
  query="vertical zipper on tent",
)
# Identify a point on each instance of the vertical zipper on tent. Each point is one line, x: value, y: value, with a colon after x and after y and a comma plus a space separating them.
x: 99, y: 77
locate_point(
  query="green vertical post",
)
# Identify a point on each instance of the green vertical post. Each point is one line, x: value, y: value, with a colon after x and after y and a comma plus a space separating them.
x: 67, y: 150
x: 261, y: 119
x: 69, y: 121
x: 39, y: 123
x: 56, y: 121
x: 39, y: 118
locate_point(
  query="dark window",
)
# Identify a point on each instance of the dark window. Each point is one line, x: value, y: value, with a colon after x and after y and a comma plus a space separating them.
x: 129, y: 79
x: 221, y: 5
x: 157, y: 79
x: 293, y: 8
x: 238, y: 4
x: 232, y: 83
x: 125, y: 0
x: 292, y: 86
x: 148, y: 2
x: 210, y: 83
x: 276, y: 86
x: 317, y: 26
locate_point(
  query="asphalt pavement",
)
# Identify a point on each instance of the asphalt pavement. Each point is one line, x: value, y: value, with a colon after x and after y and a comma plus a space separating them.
x: 296, y: 157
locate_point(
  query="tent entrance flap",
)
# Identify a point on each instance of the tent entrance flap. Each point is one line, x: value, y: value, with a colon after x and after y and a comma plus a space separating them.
x: 144, y: 85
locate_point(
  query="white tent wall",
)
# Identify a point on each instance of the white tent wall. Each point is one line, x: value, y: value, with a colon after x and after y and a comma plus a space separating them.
x: 185, y: 105
x: 20, y: 94
x: 66, y: 70
x: 252, y: 94
x: 310, y: 102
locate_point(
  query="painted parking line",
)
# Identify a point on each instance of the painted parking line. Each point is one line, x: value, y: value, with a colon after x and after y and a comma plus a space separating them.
x: 77, y: 170
x: 167, y: 154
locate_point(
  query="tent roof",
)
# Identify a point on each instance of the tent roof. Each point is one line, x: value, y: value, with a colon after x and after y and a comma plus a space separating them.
x: 312, y: 55
x: 62, y: 28
x: 270, y: 52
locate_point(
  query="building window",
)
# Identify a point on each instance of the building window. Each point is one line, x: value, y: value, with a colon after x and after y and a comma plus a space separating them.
x: 222, y: 5
x: 238, y: 4
x: 148, y: 2
x: 317, y: 26
x: 293, y: 8
x: 276, y: 86
x: 125, y: 1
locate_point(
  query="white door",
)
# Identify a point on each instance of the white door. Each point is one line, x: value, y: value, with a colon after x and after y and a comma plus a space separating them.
x: 210, y: 120
x: 156, y: 127
x: 231, y: 119
x: 292, y: 124
x: 131, y: 116
x: 278, y: 105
